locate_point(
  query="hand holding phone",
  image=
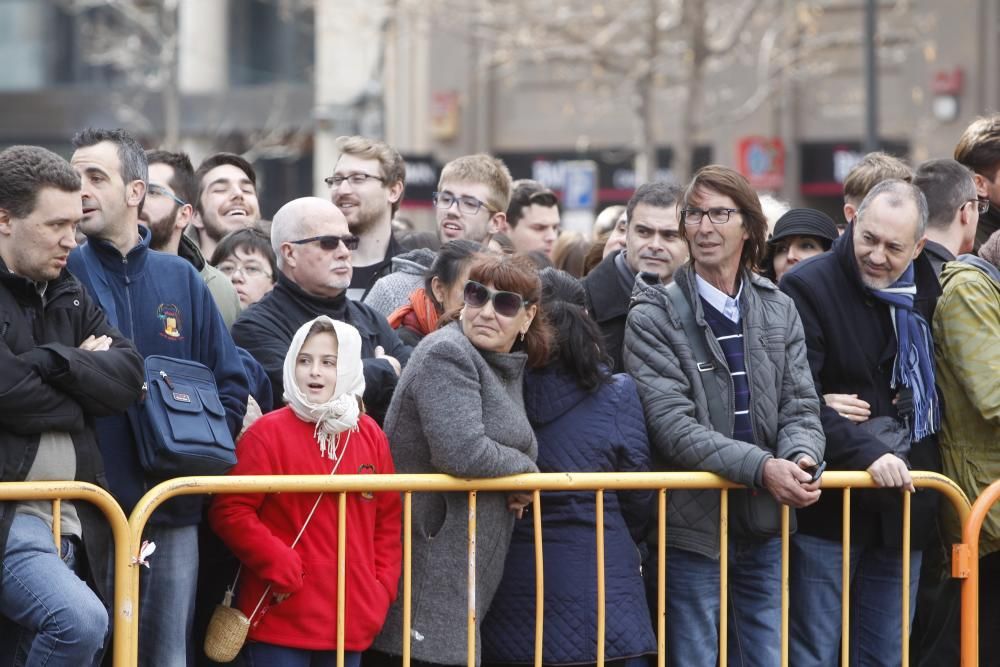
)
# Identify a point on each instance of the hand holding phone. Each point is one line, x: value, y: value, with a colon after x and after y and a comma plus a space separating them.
x: 816, y: 471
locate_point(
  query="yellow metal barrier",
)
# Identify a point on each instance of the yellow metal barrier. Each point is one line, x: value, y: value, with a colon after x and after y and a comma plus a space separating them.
x: 965, y: 565
x: 598, y: 482
x: 124, y: 618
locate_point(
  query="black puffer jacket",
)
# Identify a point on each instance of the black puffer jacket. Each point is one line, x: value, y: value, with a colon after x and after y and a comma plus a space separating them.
x: 49, y: 384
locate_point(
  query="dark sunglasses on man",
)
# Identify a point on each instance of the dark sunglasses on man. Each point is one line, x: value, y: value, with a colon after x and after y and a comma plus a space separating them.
x: 507, y: 304
x: 331, y: 241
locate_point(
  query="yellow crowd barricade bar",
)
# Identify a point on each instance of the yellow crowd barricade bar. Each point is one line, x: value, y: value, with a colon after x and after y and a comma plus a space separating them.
x: 537, y: 482
x: 123, y: 620
x: 965, y: 565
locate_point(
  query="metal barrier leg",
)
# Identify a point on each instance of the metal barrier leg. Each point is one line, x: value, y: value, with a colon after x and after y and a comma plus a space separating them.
x: 723, y: 577
x: 536, y: 500
x: 905, y: 625
x: 407, y: 574
x: 341, y: 574
x: 785, y: 530
x: 471, y: 651
x: 661, y: 582
x: 845, y: 584
x: 600, y: 579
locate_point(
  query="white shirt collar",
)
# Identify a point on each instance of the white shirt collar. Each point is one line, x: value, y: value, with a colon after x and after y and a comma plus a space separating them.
x: 722, y: 302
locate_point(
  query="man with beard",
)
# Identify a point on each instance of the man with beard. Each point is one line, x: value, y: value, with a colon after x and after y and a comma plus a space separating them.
x: 367, y: 186
x: 866, y: 308
x: 653, y: 244
x: 167, y: 211
x: 313, y: 244
x: 226, y: 200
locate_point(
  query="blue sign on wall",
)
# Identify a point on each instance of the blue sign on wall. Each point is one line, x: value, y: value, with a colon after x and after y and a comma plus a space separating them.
x: 579, y: 185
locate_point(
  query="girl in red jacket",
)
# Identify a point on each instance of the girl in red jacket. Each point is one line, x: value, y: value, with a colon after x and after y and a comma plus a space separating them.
x: 320, y: 432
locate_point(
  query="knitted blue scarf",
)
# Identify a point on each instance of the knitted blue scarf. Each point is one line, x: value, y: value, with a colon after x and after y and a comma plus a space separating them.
x: 914, y: 366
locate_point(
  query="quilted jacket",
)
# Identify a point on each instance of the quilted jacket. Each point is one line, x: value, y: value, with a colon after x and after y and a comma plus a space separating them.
x: 784, y: 408
x: 588, y: 432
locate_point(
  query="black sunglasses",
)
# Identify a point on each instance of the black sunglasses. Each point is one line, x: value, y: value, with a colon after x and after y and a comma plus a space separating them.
x: 331, y: 241
x: 507, y: 304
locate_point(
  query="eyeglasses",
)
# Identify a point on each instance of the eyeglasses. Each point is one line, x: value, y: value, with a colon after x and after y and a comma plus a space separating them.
x: 466, y: 205
x: 159, y: 190
x: 507, y: 304
x: 356, y: 180
x: 331, y: 241
x: 717, y: 216
x: 230, y: 269
x: 983, y: 203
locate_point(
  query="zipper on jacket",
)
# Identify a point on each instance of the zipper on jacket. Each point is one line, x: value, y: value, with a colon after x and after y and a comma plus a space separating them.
x: 750, y: 402
x: 128, y: 301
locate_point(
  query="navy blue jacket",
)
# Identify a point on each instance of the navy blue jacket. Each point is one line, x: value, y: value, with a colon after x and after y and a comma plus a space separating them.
x: 851, y: 347
x: 163, y: 306
x: 579, y: 432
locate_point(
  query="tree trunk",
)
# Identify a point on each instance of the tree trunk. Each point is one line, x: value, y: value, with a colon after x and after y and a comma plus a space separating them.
x: 643, y: 103
x: 170, y: 95
x: 693, y: 22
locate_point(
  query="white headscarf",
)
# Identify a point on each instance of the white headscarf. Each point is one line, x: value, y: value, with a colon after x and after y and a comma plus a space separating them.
x: 341, y: 412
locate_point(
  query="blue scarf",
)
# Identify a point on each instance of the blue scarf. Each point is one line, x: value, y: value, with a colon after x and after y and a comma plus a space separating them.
x: 914, y: 366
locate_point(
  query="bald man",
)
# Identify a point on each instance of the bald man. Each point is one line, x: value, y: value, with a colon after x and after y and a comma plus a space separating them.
x: 313, y: 245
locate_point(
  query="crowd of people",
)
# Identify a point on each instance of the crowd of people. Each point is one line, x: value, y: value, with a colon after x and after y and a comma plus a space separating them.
x: 703, y: 327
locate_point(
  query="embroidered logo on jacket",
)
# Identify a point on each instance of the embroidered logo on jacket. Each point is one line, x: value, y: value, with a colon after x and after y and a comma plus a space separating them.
x: 366, y: 469
x: 170, y: 316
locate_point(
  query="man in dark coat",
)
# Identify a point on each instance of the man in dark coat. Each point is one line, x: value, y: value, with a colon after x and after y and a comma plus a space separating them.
x: 653, y: 243
x: 852, y: 301
x: 63, y: 365
x: 311, y: 240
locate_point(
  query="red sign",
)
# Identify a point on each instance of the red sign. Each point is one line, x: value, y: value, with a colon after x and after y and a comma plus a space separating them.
x: 762, y: 161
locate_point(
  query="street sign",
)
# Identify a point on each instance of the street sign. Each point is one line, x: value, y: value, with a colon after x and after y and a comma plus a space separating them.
x: 579, y: 185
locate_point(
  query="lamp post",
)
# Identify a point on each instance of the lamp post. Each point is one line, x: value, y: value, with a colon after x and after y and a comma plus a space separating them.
x: 871, y: 78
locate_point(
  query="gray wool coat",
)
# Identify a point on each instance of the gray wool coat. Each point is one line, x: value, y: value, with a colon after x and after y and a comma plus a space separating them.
x: 784, y: 407
x: 460, y: 411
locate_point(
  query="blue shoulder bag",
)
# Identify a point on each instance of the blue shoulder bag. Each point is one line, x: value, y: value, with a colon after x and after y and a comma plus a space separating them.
x: 179, y: 424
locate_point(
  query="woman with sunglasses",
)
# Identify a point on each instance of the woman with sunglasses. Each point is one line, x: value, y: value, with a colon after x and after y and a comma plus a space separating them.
x: 586, y: 420
x: 458, y: 409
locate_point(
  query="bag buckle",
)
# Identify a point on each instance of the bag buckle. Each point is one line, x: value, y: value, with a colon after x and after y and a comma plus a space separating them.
x: 706, y: 366
x: 167, y: 380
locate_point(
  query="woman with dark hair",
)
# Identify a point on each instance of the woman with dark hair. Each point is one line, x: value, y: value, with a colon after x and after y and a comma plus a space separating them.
x: 799, y: 234
x: 459, y: 410
x: 586, y: 420
x: 247, y: 259
x: 442, y: 292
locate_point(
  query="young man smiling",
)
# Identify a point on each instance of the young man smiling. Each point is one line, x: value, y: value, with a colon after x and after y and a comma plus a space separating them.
x: 367, y: 186
x: 227, y: 198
